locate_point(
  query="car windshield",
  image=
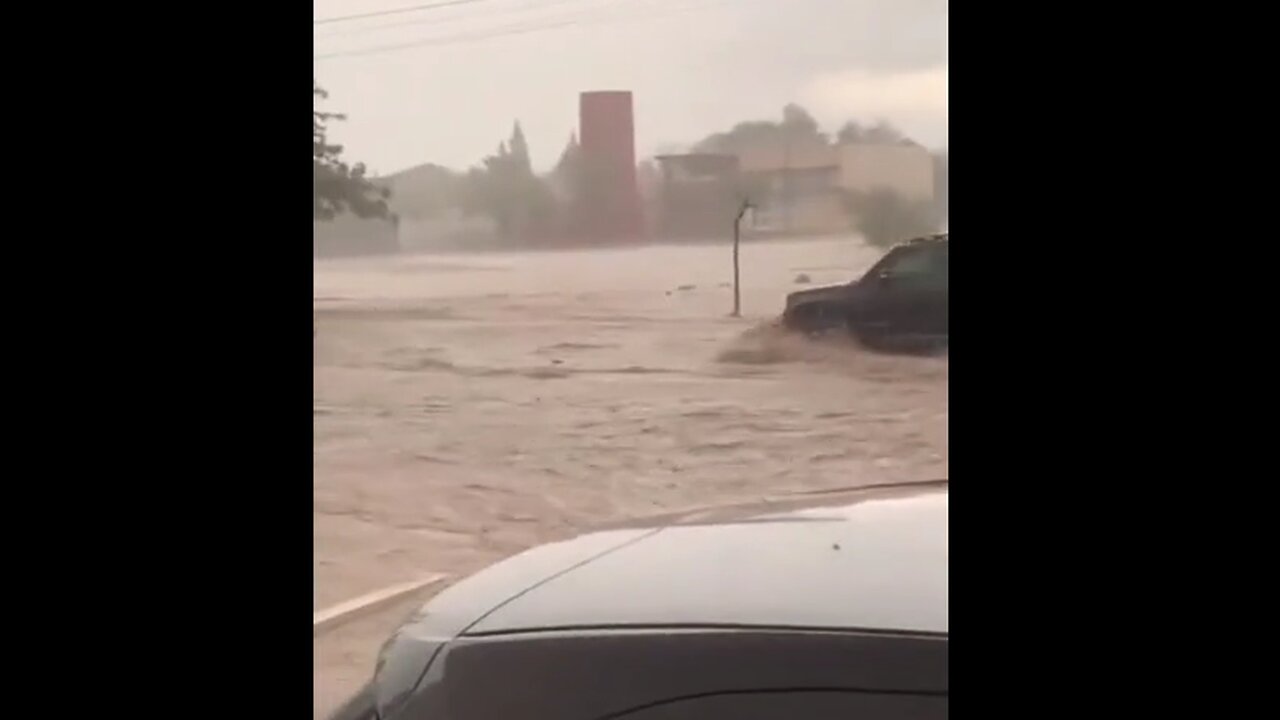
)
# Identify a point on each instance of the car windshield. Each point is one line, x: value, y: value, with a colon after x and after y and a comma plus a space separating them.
x: 923, y: 265
x: 578, y: 263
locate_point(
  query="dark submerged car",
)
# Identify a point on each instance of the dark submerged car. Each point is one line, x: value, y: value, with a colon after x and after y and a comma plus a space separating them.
x: 900, y: 302
x: 815, y: 608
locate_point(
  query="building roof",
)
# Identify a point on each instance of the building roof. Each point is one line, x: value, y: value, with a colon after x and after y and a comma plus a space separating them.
x: 700, y: 163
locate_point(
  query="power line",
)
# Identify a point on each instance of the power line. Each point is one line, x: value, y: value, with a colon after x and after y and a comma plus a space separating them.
x: 446, y: 40
x: 520, y: 9
x: 394, y: 11
x: 501, y: 32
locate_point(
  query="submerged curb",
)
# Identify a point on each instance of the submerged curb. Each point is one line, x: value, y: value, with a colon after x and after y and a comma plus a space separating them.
x: 331, y: 617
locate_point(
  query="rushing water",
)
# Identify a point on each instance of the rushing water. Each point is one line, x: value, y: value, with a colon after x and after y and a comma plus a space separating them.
x: 467, y: 407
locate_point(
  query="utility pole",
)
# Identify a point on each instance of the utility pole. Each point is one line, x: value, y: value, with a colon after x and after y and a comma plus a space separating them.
x: 737, y: 222
x: 786, y: 183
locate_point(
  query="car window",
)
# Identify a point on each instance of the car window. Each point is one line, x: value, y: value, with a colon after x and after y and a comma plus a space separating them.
x: 798, y: 705
x: 918, y: 265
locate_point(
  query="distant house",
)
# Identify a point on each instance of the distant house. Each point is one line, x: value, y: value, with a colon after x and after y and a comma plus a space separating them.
x: 422, y: 191
x: 428, y: 200
x: 795, y: 185
x: 801, y: 186
x: 698, y: 195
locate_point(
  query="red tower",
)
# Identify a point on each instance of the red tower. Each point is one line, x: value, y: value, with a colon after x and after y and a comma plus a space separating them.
x: 606, y: 130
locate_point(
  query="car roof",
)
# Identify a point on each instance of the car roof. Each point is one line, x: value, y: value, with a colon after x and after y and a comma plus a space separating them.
x: 936, y: 238
x: 866, y: 559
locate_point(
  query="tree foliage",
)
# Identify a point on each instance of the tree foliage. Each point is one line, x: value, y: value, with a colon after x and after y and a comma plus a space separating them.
x: 505, y: 188
x: 570, y: 187
x: 797, y: 122
x: 881, y: 133
x: 884, y: 217
x: 568, y: 172
x: 942, y: 184
x: 796, y: 125
x: 339, y: 187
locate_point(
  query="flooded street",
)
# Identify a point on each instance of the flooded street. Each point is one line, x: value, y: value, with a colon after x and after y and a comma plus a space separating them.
x: 468, y: 407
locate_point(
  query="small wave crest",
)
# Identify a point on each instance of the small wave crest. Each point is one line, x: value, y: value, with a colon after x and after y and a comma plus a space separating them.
x: 543, y: 372
x: 771, y: 344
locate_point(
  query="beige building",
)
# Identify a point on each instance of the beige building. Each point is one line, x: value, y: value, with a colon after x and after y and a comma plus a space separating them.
x: 802, y: 187
x: 697, y: 195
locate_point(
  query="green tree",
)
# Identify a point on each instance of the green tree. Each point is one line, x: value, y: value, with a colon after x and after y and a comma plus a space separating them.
x: 942, y: 184
x: 884, y: 217
x: 796, y: 124
x: 568, y: 172
x: 569, y: 178
x: 505, y: 188
x: 883, y: 133
x: 850, y: 133
x: 339, y: 187
x: 521, y: 165
x: 494, y: 189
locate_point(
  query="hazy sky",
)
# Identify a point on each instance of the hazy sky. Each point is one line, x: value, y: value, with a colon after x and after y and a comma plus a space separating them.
x: 694, y: 66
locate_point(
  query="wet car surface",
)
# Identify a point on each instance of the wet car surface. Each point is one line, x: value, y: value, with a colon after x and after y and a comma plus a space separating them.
x: 812, y: 607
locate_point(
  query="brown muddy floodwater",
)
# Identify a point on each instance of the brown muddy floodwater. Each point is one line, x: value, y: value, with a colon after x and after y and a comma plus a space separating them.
x: 468, y: 407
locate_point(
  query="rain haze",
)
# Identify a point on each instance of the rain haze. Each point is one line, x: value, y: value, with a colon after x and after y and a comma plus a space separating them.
x: 451, y: 80
x: 526, y: 318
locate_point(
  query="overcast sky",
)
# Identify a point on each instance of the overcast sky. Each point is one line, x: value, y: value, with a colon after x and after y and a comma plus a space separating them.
x: 456, y: 77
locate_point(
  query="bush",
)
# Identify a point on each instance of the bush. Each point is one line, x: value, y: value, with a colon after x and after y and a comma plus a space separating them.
x: 884, y: 217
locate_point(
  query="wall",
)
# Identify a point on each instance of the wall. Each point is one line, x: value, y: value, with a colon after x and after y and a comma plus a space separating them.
x: 793, y: 154
x: 809, y: 214
x: 798, y: 199
x: 698, y: 196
